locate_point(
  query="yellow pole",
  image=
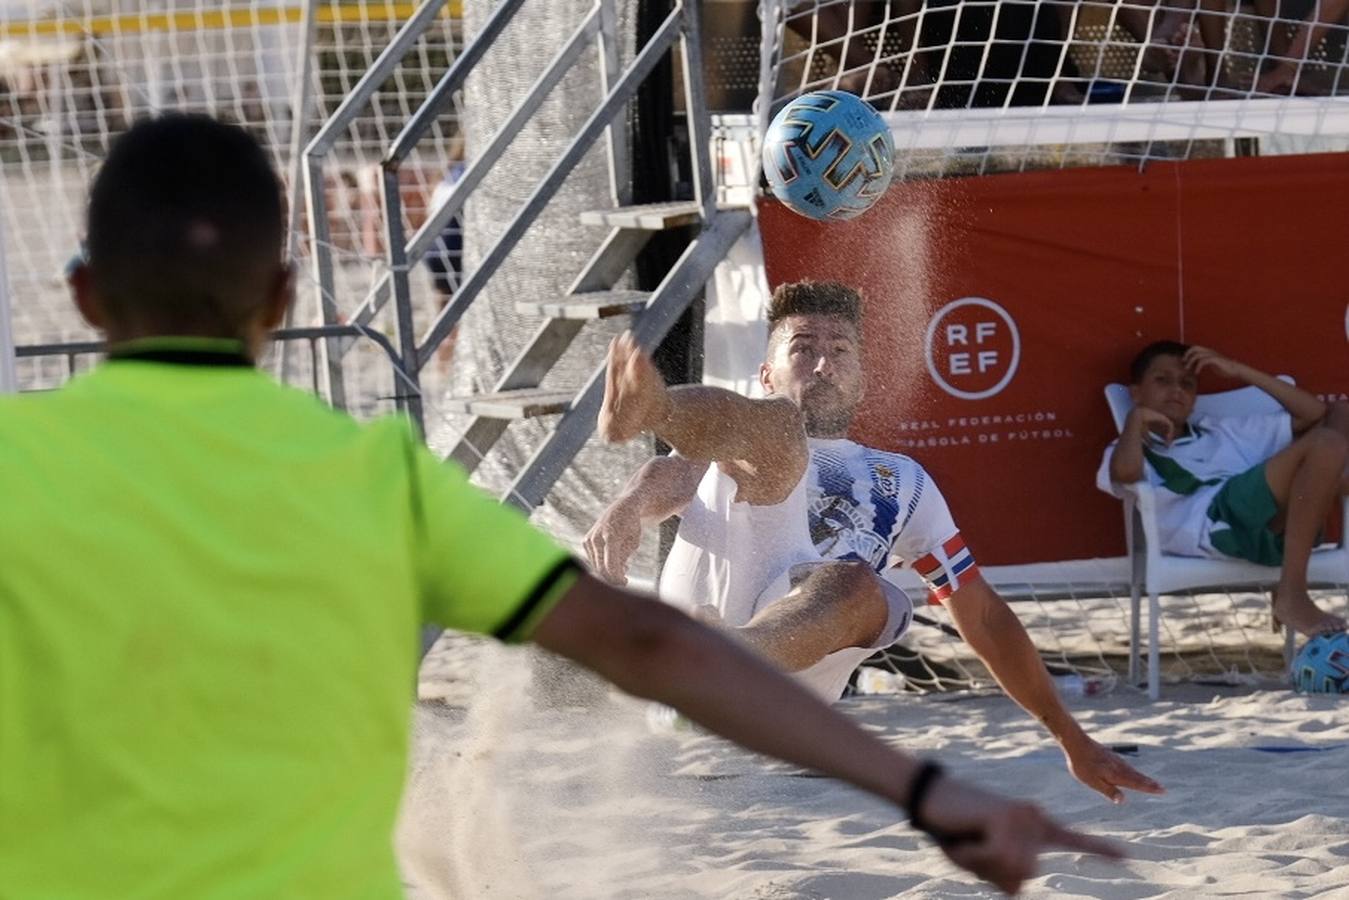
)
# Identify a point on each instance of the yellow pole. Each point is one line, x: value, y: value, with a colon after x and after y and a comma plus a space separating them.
x: 206, y: 20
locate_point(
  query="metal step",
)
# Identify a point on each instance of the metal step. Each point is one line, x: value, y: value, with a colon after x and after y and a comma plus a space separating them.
x: 534, y: 361
x: 521, y: 403
x: 589, y: 305
x: 648, y: 216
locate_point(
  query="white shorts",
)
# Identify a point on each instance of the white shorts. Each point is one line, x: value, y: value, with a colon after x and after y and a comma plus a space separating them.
x: 829, y: 676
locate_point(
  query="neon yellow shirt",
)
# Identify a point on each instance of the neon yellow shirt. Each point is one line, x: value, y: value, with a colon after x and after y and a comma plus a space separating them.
x: 211, y: 589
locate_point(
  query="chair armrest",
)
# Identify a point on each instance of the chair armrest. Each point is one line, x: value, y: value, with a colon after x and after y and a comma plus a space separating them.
x: 1136, y: 492
x: 1140, y: 499
x: 1143, y: 494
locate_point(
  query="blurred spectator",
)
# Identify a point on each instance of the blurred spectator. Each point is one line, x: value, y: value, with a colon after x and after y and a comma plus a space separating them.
x: 445, y: 259
x: 895, y: 53
x: 1288, y: 52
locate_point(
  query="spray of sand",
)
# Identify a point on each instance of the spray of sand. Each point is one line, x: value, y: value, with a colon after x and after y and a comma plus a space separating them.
x: 507, y: 780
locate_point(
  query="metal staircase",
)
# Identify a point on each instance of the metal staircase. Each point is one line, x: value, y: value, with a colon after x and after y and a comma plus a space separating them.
x: 593, y: 294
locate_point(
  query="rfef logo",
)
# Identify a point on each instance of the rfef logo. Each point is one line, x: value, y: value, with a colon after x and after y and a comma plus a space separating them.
x: 972, y: 348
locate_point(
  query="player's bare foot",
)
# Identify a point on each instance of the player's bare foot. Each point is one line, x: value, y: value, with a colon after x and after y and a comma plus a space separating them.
x: 1278, y: 80
x: 1296, y: 610
x: 635, y: 396
x: 1184, y: 56
x: 1177, y: 51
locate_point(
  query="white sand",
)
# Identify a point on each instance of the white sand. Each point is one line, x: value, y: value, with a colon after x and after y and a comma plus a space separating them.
x: 510, y: 801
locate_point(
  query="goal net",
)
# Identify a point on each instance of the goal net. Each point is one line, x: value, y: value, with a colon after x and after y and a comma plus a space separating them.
x: 982, y: 86
x: 74, y: 74
x: 1190, y: 134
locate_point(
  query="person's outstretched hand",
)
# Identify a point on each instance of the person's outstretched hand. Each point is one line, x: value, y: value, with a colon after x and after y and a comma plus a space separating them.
x: 997, y: 839
x: 1105, y: 771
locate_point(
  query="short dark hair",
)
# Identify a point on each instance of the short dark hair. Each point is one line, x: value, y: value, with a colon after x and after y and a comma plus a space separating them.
x: 185, y: 227
x: 814, y: 298
x: 1139, y: 367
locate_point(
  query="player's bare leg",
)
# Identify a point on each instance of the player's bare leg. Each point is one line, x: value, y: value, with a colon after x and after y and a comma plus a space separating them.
x: 1337, y: 419
x: 838, y: 604
x: 761, y: 444
x: 1305, y: 478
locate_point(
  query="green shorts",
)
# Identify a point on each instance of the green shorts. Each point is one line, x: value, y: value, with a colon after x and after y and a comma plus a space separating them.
x: 1240, y: 515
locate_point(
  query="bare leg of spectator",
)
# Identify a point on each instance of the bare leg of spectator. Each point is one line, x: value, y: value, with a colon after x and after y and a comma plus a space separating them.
x: 1065, y: 93
x: 1211, y: 19
x: 917, y: 70
x: 1337, y: 419
x: 1165, y: 28
x: 1305, y: 478
x: 1281, y: 78
x: 837, y: 29
x: 1277, y: 38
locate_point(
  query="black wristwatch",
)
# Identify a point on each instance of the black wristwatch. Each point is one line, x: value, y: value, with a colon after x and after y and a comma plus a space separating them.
x: 922, y: 783
x: 928, y: 774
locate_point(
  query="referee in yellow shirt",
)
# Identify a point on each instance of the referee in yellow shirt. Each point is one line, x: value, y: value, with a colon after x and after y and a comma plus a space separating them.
x: 211, y: 590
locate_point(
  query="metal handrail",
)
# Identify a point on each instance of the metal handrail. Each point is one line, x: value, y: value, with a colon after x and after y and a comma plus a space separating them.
x: 619, y: 85
x: 73, y: 349
x: 440, y: 216
x: 637, y: 71
x: 442, y: 94
x: 380, y: 70
x: 318, y: 148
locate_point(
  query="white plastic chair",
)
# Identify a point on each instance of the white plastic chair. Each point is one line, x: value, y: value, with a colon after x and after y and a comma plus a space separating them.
x: 1158, y: 573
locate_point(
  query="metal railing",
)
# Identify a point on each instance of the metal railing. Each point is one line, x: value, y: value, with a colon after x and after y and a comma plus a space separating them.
x: 72, y: 351
x: 598, y: 28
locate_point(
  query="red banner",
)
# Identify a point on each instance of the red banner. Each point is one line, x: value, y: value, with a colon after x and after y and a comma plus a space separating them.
x: 998, y: 307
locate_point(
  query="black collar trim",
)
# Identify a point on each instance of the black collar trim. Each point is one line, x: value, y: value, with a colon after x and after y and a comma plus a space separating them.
x: 183, y: 357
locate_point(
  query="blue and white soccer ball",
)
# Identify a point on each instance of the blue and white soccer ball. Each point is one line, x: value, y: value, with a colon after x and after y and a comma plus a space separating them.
x: 1322, y: 665
x: 828, y: 155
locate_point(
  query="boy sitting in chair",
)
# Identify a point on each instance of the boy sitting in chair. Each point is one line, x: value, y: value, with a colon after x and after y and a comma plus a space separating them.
x: 1252, y: 487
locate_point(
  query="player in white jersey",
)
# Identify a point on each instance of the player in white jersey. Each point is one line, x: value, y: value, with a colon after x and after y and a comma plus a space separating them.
x: 862, y: 505
x: 1251, y: 487
x: 741, y: 559
x: 743, y: 556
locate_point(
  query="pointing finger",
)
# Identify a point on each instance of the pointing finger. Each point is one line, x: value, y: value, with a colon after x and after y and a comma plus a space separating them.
x: 1058, y: 836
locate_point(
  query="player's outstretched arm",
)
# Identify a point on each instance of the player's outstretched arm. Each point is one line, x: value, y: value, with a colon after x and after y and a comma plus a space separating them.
x: 761, y: 443
x: 653, y: 650
x: 997, y: 636
x: 661, y: 488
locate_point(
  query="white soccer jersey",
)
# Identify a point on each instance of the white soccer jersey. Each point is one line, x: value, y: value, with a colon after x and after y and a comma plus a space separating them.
x: 1192, y: 470
x: 740, y: 558
x: 873, y: 505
